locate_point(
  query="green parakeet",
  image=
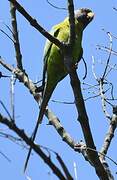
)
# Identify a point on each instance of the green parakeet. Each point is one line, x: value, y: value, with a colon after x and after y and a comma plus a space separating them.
x: 54, y: 67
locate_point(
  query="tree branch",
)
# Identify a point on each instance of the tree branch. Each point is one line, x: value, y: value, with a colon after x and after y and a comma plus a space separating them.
x: 103, y: 98
x: 110, y: 134
x: 72, y: 22
x: 15, y: 36
x: 68, y: 175
x: 109, y: 56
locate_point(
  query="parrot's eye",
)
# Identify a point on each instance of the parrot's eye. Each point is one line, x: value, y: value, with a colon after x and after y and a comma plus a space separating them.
x: 82, y: 16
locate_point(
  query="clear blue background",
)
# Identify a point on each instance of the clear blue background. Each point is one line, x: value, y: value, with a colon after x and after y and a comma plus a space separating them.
x: 26, y: 109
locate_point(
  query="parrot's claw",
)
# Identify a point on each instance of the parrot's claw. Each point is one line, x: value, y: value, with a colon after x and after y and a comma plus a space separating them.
x: 39, y: 89
x: 76, y: 65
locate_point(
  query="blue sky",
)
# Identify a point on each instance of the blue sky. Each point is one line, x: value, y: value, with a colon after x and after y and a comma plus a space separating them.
x: 26, y: 109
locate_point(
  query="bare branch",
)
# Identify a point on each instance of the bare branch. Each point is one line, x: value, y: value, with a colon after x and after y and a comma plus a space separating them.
x: 72, y: 22
x: 12, y: 96
x: 75, y: 171
x: 7, y: 35
x: 93, y: 69
x: 14, y: 139
x: 65, y: 170
x: 103, y: 98
x: 7, y: 26
x: 115, y: 8
x: 112, y: 89
x: 15, y: 36
x: 108, y: 60
x: 110, y: 134
x: 85, y: 65
x: 104, y: 48
x: 5, y: 156
x: 4, y: 107
x: 60, y: 8
x: 5, y: 65
x: 3, y: 75
x: 62, y: 102
x: 90, y: 86
x: 91, y: 97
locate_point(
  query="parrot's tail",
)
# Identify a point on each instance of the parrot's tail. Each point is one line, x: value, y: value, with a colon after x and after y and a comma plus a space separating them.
x: 46, y: 96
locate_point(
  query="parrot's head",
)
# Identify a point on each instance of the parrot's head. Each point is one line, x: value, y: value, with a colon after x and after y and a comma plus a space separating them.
x: 84, y: 16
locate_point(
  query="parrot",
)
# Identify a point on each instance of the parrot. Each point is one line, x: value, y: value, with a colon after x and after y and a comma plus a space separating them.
x: 54, y: 69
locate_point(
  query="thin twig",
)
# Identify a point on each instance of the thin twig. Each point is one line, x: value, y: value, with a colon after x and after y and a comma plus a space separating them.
x: 63, y: 102
x: 6, y: 157
x: 108, y: 60
x: 7, y: 26
x: 3, y: 75
x: 91, y: 97
x: 93, y: 69
x: 104, y: 48
x: 7, y: 35
x: 59, y: 8
x: 64, y: 167
x: 15, y: 140
x: 4, y: 107
x: 115, y: 8
x: 5, y: 65
x: 112, y: 89
x: 75, y: 171
x: 85, y: 65
x: 90, y: 86
x: 12, y: 96
x: 100, y: 153
x: 111, y: 66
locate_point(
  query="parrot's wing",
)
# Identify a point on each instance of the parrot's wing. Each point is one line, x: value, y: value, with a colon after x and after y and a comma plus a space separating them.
x: 54, y: 32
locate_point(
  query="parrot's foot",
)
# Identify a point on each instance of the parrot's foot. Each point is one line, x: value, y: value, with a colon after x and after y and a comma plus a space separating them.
x: 76, y: 65
x: 39, y: 89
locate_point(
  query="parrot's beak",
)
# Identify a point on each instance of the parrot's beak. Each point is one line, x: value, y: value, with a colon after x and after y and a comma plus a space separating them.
x: 90, y: 15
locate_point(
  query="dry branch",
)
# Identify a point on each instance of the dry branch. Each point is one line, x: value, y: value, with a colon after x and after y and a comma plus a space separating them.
x: 110, y: 133
x: 15, y: 36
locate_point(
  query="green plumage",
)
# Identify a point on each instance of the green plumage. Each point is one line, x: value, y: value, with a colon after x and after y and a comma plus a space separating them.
x: 54, y: 61
x: 54, y: 69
